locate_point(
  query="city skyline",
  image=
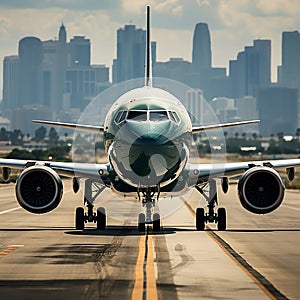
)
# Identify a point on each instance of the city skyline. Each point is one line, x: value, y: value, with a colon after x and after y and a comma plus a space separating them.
x: 232, y: 25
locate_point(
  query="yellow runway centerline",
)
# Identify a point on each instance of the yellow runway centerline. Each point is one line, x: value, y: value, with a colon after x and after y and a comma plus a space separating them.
x: 145, y: 282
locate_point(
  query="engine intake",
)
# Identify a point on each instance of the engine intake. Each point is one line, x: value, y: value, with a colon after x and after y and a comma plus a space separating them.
x: 261, y: 190
x: 39, y: 189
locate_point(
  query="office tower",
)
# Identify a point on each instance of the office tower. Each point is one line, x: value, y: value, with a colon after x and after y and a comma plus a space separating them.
x: 194, y: 104
x: 10, y: 81
x: 30, y: 71
x: 83, y: 84
x: 80, y: 51
x: 278, y: 110
x: 54, y: 71
x: 252, y: 69
x: 201, y: 55
x: 130, y: 59
x: 289, y: 74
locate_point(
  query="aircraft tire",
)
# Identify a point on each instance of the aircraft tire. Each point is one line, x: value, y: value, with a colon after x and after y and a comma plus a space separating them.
x: 200, y: 219
x: 101, y: 218
x: 156, y: 222
x: 141, y: 222
x: 221, y: 219
x: 79, y: 218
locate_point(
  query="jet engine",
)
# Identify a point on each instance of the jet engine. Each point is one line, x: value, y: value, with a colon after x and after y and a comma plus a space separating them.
x: 261, y: 190
x: 39, y: 189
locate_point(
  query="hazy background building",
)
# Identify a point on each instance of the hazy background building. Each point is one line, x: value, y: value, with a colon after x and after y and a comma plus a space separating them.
x: 10, y: 82
x: 289, y: 71
x: 277, y: 110
x: 251, y: 70
x: 30, y: 71
x: 57, y: 76
x: 131, y: 49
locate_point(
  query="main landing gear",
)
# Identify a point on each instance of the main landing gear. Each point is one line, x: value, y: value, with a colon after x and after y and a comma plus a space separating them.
x: 211, y: 197
x: 148, y: 201
x: 91, y: 191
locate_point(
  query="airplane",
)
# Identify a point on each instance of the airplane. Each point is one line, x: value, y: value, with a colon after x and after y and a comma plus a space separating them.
x: 147, y: 135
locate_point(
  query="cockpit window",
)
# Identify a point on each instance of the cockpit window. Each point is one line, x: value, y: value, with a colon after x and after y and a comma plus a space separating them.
x: 174, y: 117
x: 121, y: 116
x: 137, y: 115
x: 159, y: 115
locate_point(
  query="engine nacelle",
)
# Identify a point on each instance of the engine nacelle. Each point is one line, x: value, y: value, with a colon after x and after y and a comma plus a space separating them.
x: 261, y: 190
x: 39, y: 189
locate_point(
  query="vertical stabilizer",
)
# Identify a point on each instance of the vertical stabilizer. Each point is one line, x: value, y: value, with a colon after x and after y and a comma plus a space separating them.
x: 148, y: 62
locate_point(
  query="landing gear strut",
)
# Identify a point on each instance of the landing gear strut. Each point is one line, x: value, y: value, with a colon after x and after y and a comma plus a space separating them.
x: 211, y: 196
x: 91, y: 191
x: 148, y: 201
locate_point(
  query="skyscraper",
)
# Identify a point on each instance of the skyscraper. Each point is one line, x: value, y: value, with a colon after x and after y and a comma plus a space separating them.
x: 201, y: 56
x: 30, y: 66
x: 54, y: 71
x: 289, y: 72
x: 80, y: 51
x: 252, y: 69
x: 10, y: 81
x: 130, y: 54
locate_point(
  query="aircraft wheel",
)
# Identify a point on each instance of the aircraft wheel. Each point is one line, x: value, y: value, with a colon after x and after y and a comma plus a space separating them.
x: 141, y: 222
x: 79, y: 218
x: 221, y: 219
x: 156, y: 222
x: 101, y: 218
x: 200, y: 219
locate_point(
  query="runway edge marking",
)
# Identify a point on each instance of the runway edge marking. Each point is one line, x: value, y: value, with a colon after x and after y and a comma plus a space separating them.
x: 264, y: 284
x: 9, y: 210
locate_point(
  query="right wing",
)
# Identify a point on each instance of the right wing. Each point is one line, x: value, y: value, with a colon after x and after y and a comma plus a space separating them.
x: 89, y: 128
x: 199, y: 129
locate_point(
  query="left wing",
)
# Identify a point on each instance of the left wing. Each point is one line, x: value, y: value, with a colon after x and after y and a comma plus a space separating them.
x: 199, y: 129
x: 69, y: 169
x: 82, y: 127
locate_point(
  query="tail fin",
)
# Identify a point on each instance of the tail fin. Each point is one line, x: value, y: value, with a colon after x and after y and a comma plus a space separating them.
x: 148, y: 62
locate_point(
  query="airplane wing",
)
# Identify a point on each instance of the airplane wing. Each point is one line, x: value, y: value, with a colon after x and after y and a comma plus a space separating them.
x: 89, y: 128
x: 203, y: 171
x: 199, y: 129
x: 69, y: 169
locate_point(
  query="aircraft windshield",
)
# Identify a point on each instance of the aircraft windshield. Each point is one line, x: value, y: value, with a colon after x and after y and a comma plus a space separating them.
x: 137, y: 115
x: 146, y: 115
x: 159, y: 115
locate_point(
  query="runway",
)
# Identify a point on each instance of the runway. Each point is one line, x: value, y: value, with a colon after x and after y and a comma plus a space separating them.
x: 44, y: 257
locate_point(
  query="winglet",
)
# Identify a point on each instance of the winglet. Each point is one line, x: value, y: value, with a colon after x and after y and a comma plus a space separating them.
x: 148, y: 58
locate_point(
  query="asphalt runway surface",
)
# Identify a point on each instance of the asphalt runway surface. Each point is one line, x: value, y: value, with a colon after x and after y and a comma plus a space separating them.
x: 44, y: 257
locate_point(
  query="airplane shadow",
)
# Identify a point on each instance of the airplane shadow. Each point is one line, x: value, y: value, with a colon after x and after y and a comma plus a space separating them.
x: 133, y: 231
x: 123, y: 230
x: 259, y: 230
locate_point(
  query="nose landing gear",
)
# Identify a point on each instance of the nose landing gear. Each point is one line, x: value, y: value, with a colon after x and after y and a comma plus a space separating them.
x: 148, y: 201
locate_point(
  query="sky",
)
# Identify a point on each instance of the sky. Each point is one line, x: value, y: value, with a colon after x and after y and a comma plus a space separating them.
x: 233, y: 24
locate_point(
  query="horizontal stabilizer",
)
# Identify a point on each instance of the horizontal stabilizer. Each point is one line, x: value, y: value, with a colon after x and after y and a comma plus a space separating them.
x: 89, y: 128
x: 199, y: 129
